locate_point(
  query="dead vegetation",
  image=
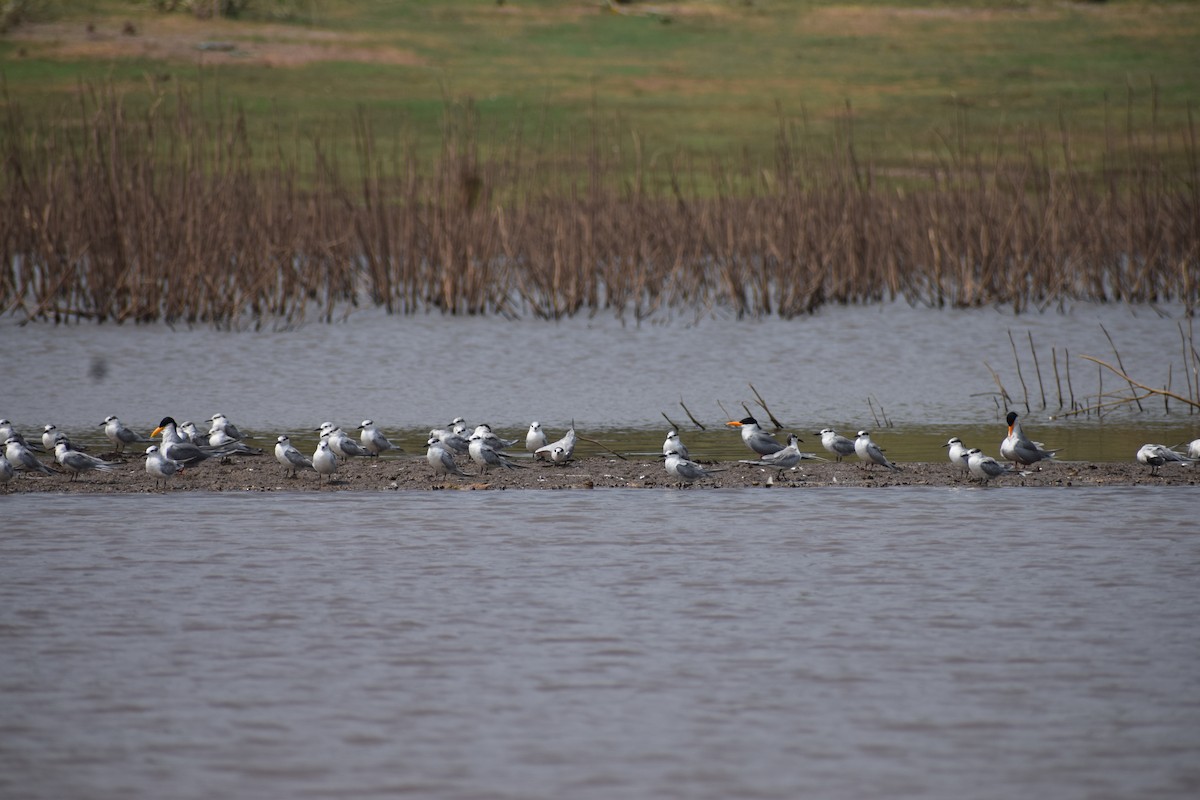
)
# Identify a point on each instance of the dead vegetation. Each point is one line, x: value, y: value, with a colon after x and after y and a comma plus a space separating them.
x: 164, y: 215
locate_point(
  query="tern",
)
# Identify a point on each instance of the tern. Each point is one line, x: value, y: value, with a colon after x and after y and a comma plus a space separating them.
x: 1158, y: 455
x: 292, y: 459
x: 76, y: 462
x: 441, y: 460
x: 535, y: 437
x: 567, y: 443
x: 22, y: 458
x: 175, y: 448
x: 837, y: 445
x: 190, y: 432
x: 487, y: 456
x: 755, y: 437
x: 492, y: 440
x: 687, y: 472
x: 985, y: 467
x: 957, y: 452
x: 1019, y: 449
x: 159, y: 467
x: 870, y: 452
x: 673, y: 442
x: 341, y: 443
x: 7, y: 431
x: 50, y: 435
x: 450, y: 440
x: 119, y: 435
x: 373, y: 440
x: 221, y: 423
x: 325, y: 460
x: 786, y: 458
x: 1194, y: 449
x: 6, y: 471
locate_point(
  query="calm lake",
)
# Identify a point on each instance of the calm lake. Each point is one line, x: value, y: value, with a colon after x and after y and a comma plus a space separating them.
x: 832, y: 643
x: 842, y: 643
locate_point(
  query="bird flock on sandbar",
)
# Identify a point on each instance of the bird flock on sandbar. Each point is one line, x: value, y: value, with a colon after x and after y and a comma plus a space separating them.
x: 183, y: 446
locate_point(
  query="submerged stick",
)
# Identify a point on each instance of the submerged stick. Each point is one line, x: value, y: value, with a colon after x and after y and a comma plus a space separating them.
x: 669, y: 420
x: 695, y: 421
x: 601, y: 446
x: 996, y: 377
x: 1037, y: 368
x: 1017, y: 359
x: 763, y: 403
x: 1057, y: 379
x: 1120, y: 374
x: 1119, y: 364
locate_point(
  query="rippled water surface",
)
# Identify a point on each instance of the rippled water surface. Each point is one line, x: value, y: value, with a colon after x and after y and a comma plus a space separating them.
x: 835, y: 643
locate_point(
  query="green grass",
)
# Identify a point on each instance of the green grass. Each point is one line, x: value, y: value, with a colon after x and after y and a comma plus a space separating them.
x: 707, y: 82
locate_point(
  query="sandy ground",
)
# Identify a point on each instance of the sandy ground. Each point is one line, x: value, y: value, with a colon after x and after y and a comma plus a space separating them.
x: 410, y: 472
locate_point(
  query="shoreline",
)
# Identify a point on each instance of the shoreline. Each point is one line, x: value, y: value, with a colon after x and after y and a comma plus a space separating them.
x: 412, y: 473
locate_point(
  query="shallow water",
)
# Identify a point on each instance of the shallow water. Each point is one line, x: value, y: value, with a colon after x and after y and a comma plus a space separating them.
x: 840, y: 643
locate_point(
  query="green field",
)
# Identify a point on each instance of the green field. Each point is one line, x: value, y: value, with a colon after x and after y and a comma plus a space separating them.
x: 684, y: 81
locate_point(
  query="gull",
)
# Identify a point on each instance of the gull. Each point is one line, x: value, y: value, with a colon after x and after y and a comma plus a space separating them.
x: 755, y: 437
x: 985, y: 467
x: 567, y: 443
x: 22, y: 457
x: 1158, y: 455
x: 685, y: 471
x: 7, y: 431
x: 6, y: 471
x: 159, y: 466
x: 325, y: 460
x: 221, y: 423
x: 673, y: 442
x: 440, y: 459
x: 373, y: 440
x: 1019, y: 449
x: 119, y: 435
x: 340, y: 442
x: 291, y: 458
x: 870, y: 452
x: 50, y: 435
x: 837, y: 445
x: 487, y: 456
x: 76, y: 462
x: 535, y: 438
x: 175, y: 448
x: 786, y: 458
x: 957, y: 452
x: 451, y: 440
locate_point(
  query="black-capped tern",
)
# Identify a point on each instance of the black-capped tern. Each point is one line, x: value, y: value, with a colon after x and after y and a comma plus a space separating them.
x: 22, y: 458
x: 685, y: 471
x: 535, y: 437
x: 159, y: 467
x: 373, y: 439
x: 290, y: 458
x: 986, y: 468
x: 325, y: 460
x: 1159, y: 455
x: 119, y: 435
x: 175, y: 448
x: 1018, y: 449
x: 755, y: 437
x: 76, y: 462
x: 870, y: 452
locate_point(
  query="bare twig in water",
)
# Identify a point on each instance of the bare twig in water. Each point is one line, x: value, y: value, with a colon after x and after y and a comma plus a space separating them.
x: 763, y: 403
x: 602, y: 446
x: 1057, y: 379
x: 669, y: 421
x: 1098, y: 406
x: 1121, y: 374
x: 692, y: 417
x: 724, y: 410
x: 1017, y: 359
x: 1117, y: 353
x: 1037, y: 368
x: 996, y: 377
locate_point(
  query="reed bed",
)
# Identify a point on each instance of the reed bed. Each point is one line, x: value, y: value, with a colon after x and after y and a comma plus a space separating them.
x: 169, y: 215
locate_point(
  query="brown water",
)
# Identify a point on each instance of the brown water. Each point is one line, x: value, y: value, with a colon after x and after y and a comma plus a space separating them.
x: 933, y: 643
